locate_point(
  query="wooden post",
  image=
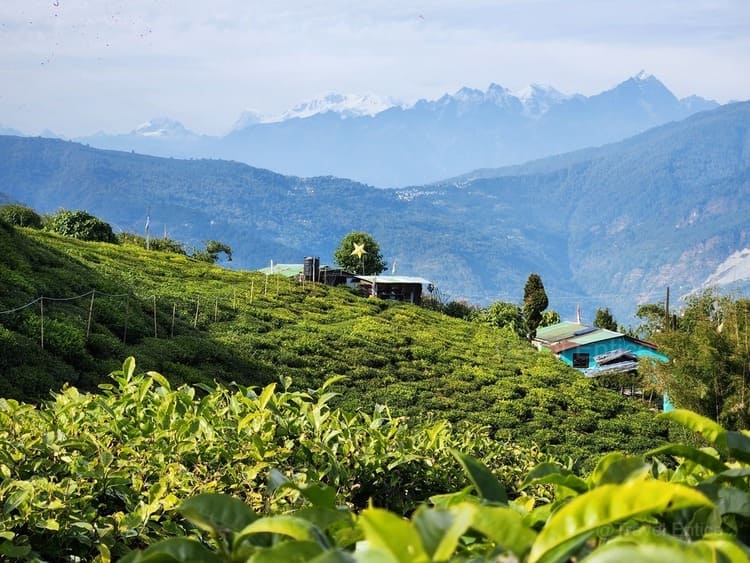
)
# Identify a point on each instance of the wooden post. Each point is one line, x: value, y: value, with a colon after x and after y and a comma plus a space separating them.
x: 667, y: 321
x: 91, y: 312
x: 174, y: 311
x: 41, y: 324
x: 197, y: 305
x: 155, y: 333
x: 252, y: 290
x: 127, y: 313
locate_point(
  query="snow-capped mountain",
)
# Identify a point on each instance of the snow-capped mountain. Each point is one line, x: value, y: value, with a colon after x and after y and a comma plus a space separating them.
x: 537, y: 99
x: 246, y: 119
x: 162, y: 127
x: 381, y: 142
x: 346, y: 105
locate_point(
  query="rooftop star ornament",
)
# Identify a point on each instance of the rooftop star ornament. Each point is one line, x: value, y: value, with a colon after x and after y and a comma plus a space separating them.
x: 359, y: 250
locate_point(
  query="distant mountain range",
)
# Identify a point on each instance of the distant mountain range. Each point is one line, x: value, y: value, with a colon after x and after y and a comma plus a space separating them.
x: 610, y: 226
x: 381, y: 143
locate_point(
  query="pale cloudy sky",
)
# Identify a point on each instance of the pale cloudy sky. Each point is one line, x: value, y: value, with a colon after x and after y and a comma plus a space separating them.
x: 77, y: 67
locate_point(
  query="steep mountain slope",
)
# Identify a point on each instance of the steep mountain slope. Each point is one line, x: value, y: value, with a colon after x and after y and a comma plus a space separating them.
x: 430, y: 140
x: 603, y: 227
x: 663, y: 208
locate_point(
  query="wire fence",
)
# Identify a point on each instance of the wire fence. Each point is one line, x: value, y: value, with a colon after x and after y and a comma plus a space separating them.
x: 166, y: 311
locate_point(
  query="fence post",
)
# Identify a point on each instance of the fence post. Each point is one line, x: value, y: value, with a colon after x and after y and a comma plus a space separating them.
x: 127, y: 313
x: 41, y: 306
x: 197, y: 305
x: 174, y: 310
x: 155, y: 334
x: 91, y: 312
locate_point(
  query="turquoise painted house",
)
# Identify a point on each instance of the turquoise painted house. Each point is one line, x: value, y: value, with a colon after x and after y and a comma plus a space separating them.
x: 596, y: 351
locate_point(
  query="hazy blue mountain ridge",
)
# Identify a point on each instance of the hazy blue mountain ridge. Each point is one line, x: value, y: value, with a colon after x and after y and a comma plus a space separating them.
x: 431, y: 140
x: 610, y: 226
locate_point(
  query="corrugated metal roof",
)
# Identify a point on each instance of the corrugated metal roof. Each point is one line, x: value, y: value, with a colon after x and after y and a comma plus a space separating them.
x: 394, y: 279
x: 559, y: 331
x: 595, y: 336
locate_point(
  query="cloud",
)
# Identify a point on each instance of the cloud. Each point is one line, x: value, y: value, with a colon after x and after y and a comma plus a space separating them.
x: 114, y: 64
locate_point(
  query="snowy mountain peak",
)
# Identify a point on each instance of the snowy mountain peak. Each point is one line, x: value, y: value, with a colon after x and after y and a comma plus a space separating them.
x: 469, y: 95
x: 643, y: 76
x: 499, y: 95
x: 346, y: 105
x: 162, y: 127
x: 246, y: 119
x: 537, y: 99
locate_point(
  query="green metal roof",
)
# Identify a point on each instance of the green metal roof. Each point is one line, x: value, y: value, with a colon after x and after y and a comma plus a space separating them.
x: 598, y: 335
x: 559, y: 331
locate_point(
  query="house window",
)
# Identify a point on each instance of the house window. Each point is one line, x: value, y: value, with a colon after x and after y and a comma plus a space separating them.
x: 580, y: 360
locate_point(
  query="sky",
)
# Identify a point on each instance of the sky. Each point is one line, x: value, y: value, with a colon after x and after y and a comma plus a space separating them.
x: 78, y: 67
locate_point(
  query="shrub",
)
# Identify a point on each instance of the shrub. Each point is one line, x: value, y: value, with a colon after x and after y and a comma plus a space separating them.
x: 20, y: 216
x: 80, y: 225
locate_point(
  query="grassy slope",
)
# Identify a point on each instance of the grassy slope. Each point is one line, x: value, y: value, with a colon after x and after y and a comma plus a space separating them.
x: 419, y: 362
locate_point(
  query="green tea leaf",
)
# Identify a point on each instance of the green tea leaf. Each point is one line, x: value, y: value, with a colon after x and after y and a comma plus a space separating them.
x: 266, y: 395
x: 217, y: 513
x: 174, y: 550
x: 693, y: 454
x: 288, y: 552
x: 608, y: 505
x: 485, y: 483
x: 389, y: 533
x: 552, y: 474
x: 292, y: 526
x: 505, y: 527
x: 655, y: 548
x: 713, y: 433
x: 442, y: 529
x: 615, y: 468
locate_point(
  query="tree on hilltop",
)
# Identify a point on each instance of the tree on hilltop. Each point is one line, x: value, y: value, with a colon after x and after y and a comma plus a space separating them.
x: 604, y: 319
x: 359, y: 253
x: 534, y: 302
x: 80, y: 225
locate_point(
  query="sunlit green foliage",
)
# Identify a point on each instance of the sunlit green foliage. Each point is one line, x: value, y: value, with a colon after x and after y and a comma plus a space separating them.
x: 359, y: 253
x: 211, y: 252
x: 92, y: 473
x: 20, y: 216
x: 79, y: 225
x: 252, y: 329
x: 93, y: 476
x: 709, y: 351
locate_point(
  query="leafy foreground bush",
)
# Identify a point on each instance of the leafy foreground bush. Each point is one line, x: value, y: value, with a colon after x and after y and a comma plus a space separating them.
x: 625, y: 510
x: 92, y: 477
x: 96, y: 475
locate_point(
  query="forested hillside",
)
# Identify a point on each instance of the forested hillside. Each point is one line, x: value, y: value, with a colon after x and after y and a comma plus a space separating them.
x: 603, y: 227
